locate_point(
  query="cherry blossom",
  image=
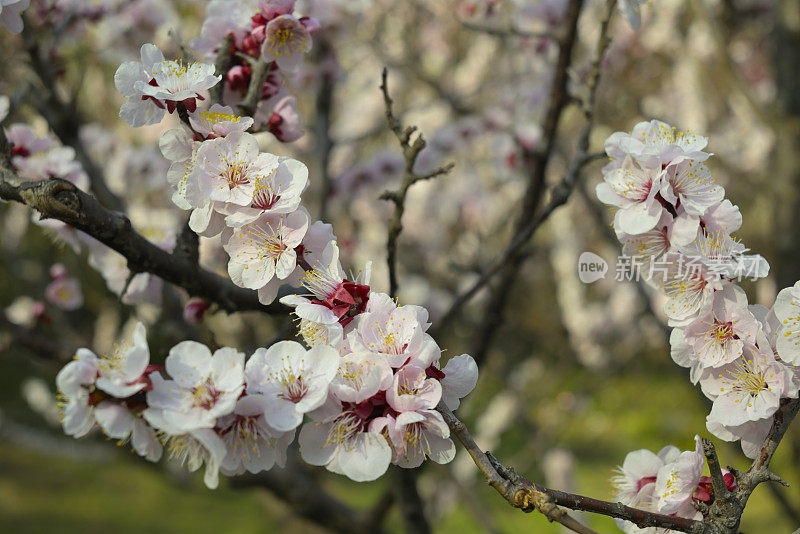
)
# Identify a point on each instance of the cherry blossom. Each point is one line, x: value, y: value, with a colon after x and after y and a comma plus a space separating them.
x: 412, y: 390
x: 119, y: 422
x: 650, y: 245
x: 276, y: 190
x: 344, y: 445
x: 360, y: 376
x: 285, y: 121
x: 120, y: 370
x: 218, y: 121
x: 655, y: 138
x: 720, y: 254
x: 293, y: 380
x: 751, y: 434
x: 396, y: 332
x: 265, y: 249
x: 677, y: 480
x: 74, y: 381
x: 155, y: 85
x: 749, y: 388
x: 197, y: 447
x: 227, y: 167
x: 417, y: 435
x: 691, y: 185
x: 252, y: 445
x: 64, y: 293
x: 224, y: 18
x: 93, y: 386
x: 688, y: 283
x: 632, y: 188
x: 194, y: 310
x: 203, y: 386
x: 787, y: 310
x: 334, y: 298
x: 636, y: 478
x: 718, y: 334
x: 460, y: 378
x: 286, y: 41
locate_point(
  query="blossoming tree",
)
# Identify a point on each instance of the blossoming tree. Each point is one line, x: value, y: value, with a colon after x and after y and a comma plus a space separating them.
x: 367, y: 385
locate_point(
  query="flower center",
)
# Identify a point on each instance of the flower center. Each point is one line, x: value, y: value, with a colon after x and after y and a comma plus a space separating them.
x: 236, y: 175
x: 206, y: 395
x: 344, y: 429
x: 747, y: 377
x: 187, y: 450
x: 294, y: 386
x: 722, y: 332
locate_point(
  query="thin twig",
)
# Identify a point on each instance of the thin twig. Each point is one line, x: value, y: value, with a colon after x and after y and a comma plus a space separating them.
x: 528, y: 224
x: 508, y: 31
x: 527, y: 496
x: 411, y: 149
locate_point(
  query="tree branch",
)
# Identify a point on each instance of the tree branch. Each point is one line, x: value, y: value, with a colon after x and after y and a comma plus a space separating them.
x: 528, y: 496
x: 528, y: 223
x: 64, y: 120
x: 59, y: 199
x: 411, y: 149
x: 221, y: 66
x: 310, y: 501
x: 253, y: 97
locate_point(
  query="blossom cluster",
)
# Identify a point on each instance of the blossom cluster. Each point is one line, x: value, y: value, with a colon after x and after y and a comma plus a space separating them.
x: 363, y: 391
x: 669, y: 483
x: 364, y: 407
x: 669, y: 208
x: 266, y: 30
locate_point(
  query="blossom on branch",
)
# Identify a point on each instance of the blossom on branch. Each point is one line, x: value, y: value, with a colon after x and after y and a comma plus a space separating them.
x: 155, y: 85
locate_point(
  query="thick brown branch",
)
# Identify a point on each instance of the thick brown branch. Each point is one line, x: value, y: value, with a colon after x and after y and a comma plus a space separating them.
x: 59, y: 199
x: 64, y: 119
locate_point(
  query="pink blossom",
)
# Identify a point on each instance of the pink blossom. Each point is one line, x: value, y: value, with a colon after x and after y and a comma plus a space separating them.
x: 293, y: 380
x: 265, y: 249
x: 412, y: 390
x: 64, y: 293
x: 195, y: 309
x: 343, y: 444
x: 218, y: 121
x: 716, y: 337
x: 286, y: 41
x: 155, y: 85
x: 285, y: 122
x: 749, y: 388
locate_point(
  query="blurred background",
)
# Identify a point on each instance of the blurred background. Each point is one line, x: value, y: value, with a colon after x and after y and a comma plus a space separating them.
x: 573, y: 376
